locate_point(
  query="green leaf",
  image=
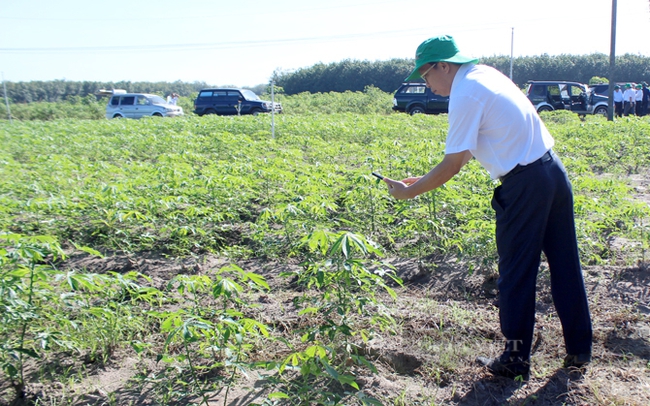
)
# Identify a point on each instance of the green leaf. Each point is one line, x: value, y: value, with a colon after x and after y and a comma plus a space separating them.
x: 367, y: 400
x: 278, y: 395
x: 11, y: 370
x: 88, y: 250
x: 345, y: 245
x: 293, y: 359
x: 226, y: 287
x: 250, y: 325
x: 257, y: 279
x: 336, y: 246
x: 348, y: 380
x: 356, y: 241
x: 28, y: 351
x: 188, y: 333
x: 315, y: 351
x: 139, y: 346
x: 330, y: 370
x: 311, y: 310
x: 170, y: 322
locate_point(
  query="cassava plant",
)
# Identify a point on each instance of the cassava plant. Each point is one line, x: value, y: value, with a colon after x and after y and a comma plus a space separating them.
x: 214, y: 337
x: 342, y: 282
x: 24, y: 287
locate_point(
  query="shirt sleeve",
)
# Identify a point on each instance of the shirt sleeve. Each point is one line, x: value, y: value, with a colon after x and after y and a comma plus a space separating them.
x: 465, y: 114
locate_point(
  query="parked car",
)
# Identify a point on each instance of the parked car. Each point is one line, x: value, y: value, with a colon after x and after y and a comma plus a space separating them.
x: 551, y: 95
x: 416, y: 98
x: 227, y: 101
x: 137, y: 105
x: 603, y: 88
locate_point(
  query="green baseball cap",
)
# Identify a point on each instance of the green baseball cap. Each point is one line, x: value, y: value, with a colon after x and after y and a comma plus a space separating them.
x: 437, y: 49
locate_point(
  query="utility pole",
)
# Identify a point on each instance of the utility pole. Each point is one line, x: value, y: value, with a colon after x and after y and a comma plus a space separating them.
x: 272, y: 110
x: 612, y: 66
x: 512, y: 49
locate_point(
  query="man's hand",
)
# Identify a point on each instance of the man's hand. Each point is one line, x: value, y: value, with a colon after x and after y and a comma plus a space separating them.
x: 399, y: 188
x: 410, y: 187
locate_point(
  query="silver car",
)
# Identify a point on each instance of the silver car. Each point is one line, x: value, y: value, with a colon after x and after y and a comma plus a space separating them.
x: 136, y: 105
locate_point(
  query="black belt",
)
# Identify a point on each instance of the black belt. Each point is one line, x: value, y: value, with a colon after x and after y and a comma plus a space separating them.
x: 545, y: 158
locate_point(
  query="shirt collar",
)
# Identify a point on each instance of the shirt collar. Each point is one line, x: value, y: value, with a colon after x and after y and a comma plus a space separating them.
x: 460, y: 75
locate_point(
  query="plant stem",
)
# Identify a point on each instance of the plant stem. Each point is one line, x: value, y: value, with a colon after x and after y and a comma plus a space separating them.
x: 21, y: 384
x: 232, y: 375
x: 193, y: 372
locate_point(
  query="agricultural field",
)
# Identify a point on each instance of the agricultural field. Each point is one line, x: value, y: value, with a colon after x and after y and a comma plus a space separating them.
x: 370, y: 101
x: 208, y: 261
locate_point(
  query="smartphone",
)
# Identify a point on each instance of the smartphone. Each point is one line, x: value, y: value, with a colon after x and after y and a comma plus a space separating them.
x: 378, y: 176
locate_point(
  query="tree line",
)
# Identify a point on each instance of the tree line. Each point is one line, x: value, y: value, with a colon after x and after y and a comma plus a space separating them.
x: 388, y: 75
x: 64, y: 90
x: 355, y: 75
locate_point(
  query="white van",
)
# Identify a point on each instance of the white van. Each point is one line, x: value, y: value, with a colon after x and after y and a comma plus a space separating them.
x: 136, y: 105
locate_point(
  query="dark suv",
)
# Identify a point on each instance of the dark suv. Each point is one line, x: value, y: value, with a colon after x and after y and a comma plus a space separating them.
x: 603, y: 88
x: 416, y: 98
x: 226, y: 101
x: 548, y: 95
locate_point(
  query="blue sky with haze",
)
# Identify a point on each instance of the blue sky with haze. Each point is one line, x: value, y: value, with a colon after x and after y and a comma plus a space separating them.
x: 243, y: 42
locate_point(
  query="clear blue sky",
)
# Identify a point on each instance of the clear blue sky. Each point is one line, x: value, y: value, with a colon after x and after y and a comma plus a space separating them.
x: 242, y: 42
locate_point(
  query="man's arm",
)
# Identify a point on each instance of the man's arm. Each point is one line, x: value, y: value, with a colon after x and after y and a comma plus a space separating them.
x: 410, y: 187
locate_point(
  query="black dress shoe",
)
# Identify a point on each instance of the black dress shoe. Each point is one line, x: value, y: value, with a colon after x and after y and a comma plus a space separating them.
x: 506, y: 367
x: 576, y: 361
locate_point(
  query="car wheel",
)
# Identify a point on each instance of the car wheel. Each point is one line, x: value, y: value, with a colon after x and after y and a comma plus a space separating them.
x: 209, y: 111
x: 118, y: 116
x: 255, y: 112
x: 602, y: 110
x: 157, y: 115
x: 416, y: 110
x: 544, y: 108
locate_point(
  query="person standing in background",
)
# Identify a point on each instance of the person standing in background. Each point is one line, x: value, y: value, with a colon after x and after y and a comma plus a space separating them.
x: 618, y: 101
x: 645, y: 99
x: 638, y: 99
x: 629, y: 96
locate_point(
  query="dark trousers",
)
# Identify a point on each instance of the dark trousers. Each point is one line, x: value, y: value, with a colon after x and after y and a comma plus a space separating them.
x: 618, y: 109
x: 534, y: 214
x: 628, y: 108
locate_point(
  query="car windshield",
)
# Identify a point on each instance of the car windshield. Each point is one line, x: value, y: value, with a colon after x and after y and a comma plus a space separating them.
x: 156, y: 100
x: 249, y: 94
x: 528, y: 87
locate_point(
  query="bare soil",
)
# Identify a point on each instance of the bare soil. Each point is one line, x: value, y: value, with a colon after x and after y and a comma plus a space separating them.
x: 446, y: 317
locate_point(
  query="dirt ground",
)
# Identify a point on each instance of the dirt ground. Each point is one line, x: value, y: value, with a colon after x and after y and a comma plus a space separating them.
x: 446, y: 317
x: 410, y: 373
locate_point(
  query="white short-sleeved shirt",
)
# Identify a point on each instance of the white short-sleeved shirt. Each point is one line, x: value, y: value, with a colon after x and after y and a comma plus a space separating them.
x: 493, y: 119
x: 618, y: 96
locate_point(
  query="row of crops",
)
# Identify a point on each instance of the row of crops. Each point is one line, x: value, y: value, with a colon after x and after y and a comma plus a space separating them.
x: 224, y: 185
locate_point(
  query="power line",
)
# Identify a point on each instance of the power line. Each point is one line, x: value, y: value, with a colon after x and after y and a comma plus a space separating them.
x: 205, y: 46
x: 240, y: 44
